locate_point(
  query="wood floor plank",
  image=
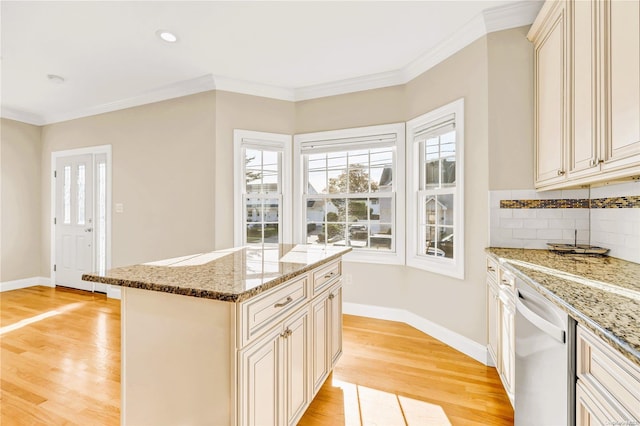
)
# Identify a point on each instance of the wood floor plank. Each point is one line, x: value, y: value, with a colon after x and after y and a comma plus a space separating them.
x: 60, y: 365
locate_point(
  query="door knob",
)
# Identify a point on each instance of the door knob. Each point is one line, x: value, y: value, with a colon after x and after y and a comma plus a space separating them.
x: 88, y: 230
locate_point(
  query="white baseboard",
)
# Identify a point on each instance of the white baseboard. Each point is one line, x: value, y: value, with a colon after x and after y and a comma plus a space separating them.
x: 457, y: 341
x: 24, y: 283
x: 114, y: 292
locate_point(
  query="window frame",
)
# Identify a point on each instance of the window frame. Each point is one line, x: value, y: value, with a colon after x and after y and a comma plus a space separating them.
x: 397, y: 196
x: 415, y: 258
x: 243, y: 139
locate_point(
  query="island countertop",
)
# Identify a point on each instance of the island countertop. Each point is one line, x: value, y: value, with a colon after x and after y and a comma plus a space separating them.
x: 601, y: 293
x: 231, y: 275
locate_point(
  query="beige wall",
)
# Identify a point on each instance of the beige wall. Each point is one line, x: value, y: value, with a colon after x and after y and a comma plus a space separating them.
x: 458, y: 304
x: 20, y: 207
x: 237, y: 111
x: 163, y: 160
x: 510, y: 109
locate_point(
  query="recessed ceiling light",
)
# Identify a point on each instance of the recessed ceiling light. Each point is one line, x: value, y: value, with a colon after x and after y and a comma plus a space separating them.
x: 55, y: 78
x: 167, y: 36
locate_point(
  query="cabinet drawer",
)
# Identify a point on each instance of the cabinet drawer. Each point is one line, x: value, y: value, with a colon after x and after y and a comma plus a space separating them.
x: 507, y: 279
x: 259, y: 313
x: 607, y: 371
x: 325, y: 276
x: 492, y: 269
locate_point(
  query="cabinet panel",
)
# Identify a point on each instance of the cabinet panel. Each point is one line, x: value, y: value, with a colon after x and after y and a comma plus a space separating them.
x: 507, y: 353
x: 296, y: 344
x: 261, y: 367
x: 493, y: 314
x: 550, y: 100
x: 584, y: 139
x: 320, y: 350
x: 592, y: 410
x: 335, y: 303
x: 622, y: 23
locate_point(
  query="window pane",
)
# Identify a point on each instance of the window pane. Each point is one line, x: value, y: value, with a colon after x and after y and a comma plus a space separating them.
x: 381, y: 179
x: 430, y: 210
x: 254, y: 210
x: 336, y: 234
x: 445, y: 241
x: 254, y: 233
x: 358, y: 209
x: 102, y: 218
x: 381, y: 236
x: 315, y: 233
x: 253, y: 170
x: 448, y: 170
x: 315, y: 210
x: 337, y: 172
x: 317, y: 182
x: 81, y: 194
x: 431, y: 242
x: 270, y: 171
x: 271, y: 233
x: 432, y: 174
x: 445, y: 209
x: 67, y: 195
x: 336, y: 209
x: 358, y: 179
x: 271, y: 210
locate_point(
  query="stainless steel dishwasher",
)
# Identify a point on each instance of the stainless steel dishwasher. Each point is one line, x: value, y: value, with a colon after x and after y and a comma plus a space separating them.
x: 545, y: 361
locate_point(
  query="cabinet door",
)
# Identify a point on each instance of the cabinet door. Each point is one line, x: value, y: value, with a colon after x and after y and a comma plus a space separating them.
x: 594, y: 410
x: 335, y: 335
x: 493, y: 320
x: 261, y: 381
x: 296, y: 347
x: 622, y: 58
x: 319, y: 341
x: 507, y: 348
x: 550, y: 75
x: 584, y: 139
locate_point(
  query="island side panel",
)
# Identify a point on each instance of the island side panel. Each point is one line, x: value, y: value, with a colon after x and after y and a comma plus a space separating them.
x: 178, y: 360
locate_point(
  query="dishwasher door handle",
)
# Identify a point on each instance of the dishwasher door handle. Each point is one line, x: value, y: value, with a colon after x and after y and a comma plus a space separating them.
x: 544, y: 325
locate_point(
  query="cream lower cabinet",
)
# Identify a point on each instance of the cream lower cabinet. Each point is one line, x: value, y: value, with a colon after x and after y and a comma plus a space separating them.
x: 500, y: 323
x: 608, y: 387
x: 326, y: 312
x: 196, y: 361
x: 274, y: 382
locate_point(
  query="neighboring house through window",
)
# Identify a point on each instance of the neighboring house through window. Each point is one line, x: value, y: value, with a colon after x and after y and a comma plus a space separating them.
x: 435, y: 190
x: 351, y: 186
x: 262, y: 187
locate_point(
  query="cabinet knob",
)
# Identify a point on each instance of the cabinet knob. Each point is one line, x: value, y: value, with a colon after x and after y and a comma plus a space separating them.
x: 561, y: 172
x: 491, y: 269
x: 332, y: 296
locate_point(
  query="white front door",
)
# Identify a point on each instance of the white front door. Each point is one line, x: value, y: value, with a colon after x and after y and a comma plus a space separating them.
x: 74, y: 224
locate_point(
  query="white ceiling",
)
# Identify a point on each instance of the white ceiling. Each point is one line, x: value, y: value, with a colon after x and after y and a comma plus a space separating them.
x: 111, y: 58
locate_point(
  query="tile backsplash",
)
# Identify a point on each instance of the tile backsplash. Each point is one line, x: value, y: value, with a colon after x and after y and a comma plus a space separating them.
x: 530, y: 219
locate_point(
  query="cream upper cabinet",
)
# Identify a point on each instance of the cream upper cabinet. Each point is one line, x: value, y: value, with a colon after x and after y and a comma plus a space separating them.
x: 550, y: 88
x: 583, y: 111
x: 587, y: 92
x: 622, y: 73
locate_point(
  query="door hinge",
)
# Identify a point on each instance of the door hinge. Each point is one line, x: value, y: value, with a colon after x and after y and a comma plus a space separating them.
x: 54, y: 220
x: 54, y: 268
x: 55, y: 173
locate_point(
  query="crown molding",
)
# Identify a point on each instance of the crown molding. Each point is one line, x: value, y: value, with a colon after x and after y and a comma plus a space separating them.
x: 491, y: 20
x: 170, y: 91
x: 511, y: 16
x: 22, y: 116
x: 255, y: 89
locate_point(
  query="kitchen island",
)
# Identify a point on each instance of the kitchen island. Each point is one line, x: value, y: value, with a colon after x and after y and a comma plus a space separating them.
x: 240, y: 336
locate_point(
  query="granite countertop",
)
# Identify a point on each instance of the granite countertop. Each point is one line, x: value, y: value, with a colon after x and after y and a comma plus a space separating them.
x: 601, y: 293
x: 232, y: 275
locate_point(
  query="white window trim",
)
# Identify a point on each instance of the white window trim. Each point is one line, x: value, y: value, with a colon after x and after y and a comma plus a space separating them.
x: 249, y: 138
x: 299, y: 233
x: 451, y: 267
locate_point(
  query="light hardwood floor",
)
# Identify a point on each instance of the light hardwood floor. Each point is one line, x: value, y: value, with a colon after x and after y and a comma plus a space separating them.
x: 60, y: 365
